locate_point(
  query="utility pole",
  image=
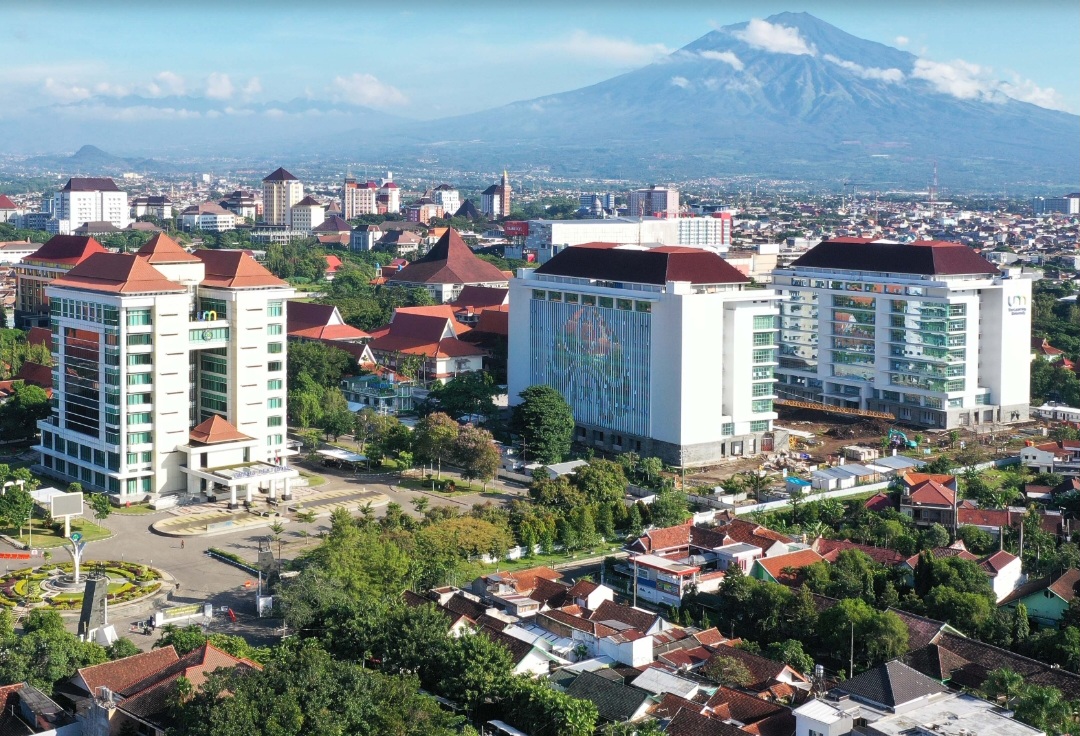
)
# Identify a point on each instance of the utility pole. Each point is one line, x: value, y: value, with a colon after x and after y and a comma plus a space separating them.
x: 851, y: 663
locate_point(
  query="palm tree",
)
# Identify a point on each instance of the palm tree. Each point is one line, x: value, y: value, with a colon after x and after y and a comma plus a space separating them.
x: 755, y: 483
x: 1004, y: 682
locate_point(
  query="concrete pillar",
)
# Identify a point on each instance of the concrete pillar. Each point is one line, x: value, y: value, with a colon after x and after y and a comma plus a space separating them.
x: 247, y: 491
x: 286, y: 492
x: 273, y: 489
x: 232, y: 497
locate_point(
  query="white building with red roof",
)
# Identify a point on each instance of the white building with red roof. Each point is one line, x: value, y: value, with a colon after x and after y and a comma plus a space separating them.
x: 664, y: 351
x: 929, y: 332
x: 36, y: 271
x: 88, y: 199
x: 430, y: 333
x: 153, y: 344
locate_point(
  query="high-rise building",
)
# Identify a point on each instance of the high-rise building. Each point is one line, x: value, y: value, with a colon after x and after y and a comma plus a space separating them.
x: 389, y: 199
x: 359, y: 199
x: 929, y: 332
x: 281, y: 190
x: 169, y: 375
x: 35, y: 272
x: 663, y: 351
x: 654, y: 201
x: 1067, y: 205
x: 706, y: 232
x: 495, y: 200
x: 446, y: 197
x: 84, y: 200
x: 306, y: 215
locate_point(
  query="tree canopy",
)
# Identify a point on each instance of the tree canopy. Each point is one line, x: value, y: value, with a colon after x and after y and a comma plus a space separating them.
x: 546, y: 424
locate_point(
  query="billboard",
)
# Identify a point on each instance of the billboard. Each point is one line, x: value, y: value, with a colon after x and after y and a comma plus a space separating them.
x: 66, y: 504
x: 516, y: 229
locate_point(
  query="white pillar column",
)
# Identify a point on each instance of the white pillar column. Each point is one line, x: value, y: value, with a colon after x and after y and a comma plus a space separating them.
x: 232, y: 497
x: 273, y: 489
x: 247, y: 489
x: 286, y: 492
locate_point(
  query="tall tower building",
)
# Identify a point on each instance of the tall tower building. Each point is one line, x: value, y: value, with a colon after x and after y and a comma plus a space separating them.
x: 84, y: 200
x: 504, y: 195
x: 169, y: 375
x: 654, y: 201
x: 281, y: 190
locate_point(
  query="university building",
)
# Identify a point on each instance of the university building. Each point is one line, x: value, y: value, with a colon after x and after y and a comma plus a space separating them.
x: 664, y: 351
x: 169, y: 375
x: 930, y: 332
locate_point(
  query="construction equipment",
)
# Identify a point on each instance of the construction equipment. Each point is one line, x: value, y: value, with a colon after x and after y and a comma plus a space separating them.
x: 830, y: 409
x: 899, y: 439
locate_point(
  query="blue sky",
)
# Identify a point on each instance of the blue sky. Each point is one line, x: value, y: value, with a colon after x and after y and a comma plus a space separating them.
x: 436, y: 59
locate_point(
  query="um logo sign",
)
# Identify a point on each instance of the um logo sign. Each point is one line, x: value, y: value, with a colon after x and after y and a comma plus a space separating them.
x: 1017, y: 305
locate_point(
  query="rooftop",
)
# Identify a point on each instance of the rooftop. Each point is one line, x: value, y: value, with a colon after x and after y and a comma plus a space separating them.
x: 922, y: 257
x: 66, y: 250
x: 118, y: 273
x: 450, y: 261
x: 163, y: 249
x: 952, y: 716
x: 891, y: 684
x: 90, y: 184
x: 633, y: 264
x: 216, y: 430
x: 235, y: 269
x: 280, y: 175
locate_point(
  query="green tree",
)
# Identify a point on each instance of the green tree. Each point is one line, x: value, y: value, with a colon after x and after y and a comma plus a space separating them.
x: 121, y: 648
x: 1004, y: 684
x: 601, y: 481
x: 326, y: 365
x: 434, y: 438
x: 46, y: 653
x: 20, y: 413
x: 475, y: 667
x: 469, y: 393
x: 16, y: 505
x: 728, y: 671
x: 557, y: 492
x: 1044, y: 708
x: 790, y: 652
x: 475, y: 452
x: 101, y: 505
x: 546, y: 424
x: 305, y: 401
x: 535, y: 707
x: 336, y: 418
x: 651, y: 468
x: 669, y: 508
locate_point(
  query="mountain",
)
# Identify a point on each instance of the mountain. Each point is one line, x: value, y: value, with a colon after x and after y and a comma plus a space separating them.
x: 790, y: 97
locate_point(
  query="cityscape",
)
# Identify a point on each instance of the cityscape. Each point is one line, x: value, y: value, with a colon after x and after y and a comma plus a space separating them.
x: 700, y: 385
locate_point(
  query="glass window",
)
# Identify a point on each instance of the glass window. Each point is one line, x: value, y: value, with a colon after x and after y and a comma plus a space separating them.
x: 764, y: 356
x: 761, y: 405
x: 588, y: 300
x: 554, y: 296
x: 274, y: 384
x: 606, y: 301
x: 136, y: 399
x: 142, y: 417
x: 727, y: 429
x: 273, y: 347
x: 624, y: 304
x: 273, y: 309
x: 140, y: 438
x: 539, y: 294
x: 762, y: 389
x: 273, y: 366
x: 759, y: 426
x: 764, y: 322
x: 273, y: 403
x: 763, y: 338
x: 274, y: 329
x: 571, y: 298
x: 140, y: 338
x: 274, y: 421
x: 140, y: 359
x: 140, y: 379
x: 645, y: 307
x: 138, y: 317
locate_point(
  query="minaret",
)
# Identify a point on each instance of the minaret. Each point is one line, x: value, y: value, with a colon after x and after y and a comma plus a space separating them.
x: 504, y: 195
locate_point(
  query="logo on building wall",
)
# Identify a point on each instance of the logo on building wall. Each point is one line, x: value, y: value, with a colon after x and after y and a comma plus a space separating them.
x: 1017, y: 305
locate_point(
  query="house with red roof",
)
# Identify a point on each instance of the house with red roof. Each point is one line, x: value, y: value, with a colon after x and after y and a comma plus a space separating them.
x: 786, y: 569
x: 447, y: 269
x: 928, y: 499
x: 431, y: 334
x: 322, y: 322
x: 1062, y: 457
x: 141, y: 689
x: 8, y: 209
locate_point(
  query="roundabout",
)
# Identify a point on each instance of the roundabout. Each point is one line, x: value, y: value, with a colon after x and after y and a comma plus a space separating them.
x: 55, y: 585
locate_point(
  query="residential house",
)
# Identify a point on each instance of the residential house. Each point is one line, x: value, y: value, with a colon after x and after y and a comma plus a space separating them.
x: 26, y: 710
x: 321, y: 322
x: 615, y: 701
x: 830, y: 549
x: 1062, y: 457
x: 764, y: 672
x: 1047, y: 598
x: 786, y: 569
x: 894, y: 699
x: 1005, y: 571
x: 475, y: 300
x: 138, y: 690
x: 928, y: 499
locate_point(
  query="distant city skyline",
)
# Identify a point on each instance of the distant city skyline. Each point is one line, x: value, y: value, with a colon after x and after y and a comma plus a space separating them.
x: 430, y: 61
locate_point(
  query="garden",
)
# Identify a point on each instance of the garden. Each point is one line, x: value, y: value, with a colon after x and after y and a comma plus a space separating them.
x: 50, y: 584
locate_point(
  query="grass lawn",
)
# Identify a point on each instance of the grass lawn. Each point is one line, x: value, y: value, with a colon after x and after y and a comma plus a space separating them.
x: 461, y: 488
x: 45, y: 537
x: 312, y: 479
x: 135, y: 509
x: 558, y: 558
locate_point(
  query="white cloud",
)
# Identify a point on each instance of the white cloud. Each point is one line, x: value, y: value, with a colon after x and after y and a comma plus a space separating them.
x: 776, y: 38
x: 274, y: 112
x: 137, y: 113
x: 728, y: 57
x: 170, y: 83
x: 892, y: 75
x: 105, y: 89
x: 65, y: 92
x: 901, y: 40
x: 967, y: 81
x: 681, y: 82
x: 365, y: 89
x: 252, y: 88
x: 219, y: 86
x: 615, y: 51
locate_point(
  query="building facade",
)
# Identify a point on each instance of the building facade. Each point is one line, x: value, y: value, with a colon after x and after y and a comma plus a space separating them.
x: 147, y: 347
x: 359, y: 199
x: 928, y: 331
x: 706, y: 232
x: 85, y: 200
x: 654, y: 201
x: 281, y: 190
x: 306, y: 215
x: 446, y: 197
x: 35, y: 272
x: 209, y: 217
x: 663, y: 351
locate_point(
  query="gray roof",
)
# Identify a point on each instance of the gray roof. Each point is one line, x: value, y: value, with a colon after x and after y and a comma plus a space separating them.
x: 891, y: 684
x: 615, y: 701
x: 898, y: 462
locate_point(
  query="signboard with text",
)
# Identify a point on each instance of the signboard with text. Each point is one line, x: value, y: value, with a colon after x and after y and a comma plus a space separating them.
x: 516, y: 229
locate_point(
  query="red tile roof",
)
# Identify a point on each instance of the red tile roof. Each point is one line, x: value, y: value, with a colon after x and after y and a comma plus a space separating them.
x: 525, y: 580
x: 743, y: 707
x: 611, y: 611
x: 40, y: 336
x: 796, y: 561
x: 997, y: 562
x: 689, y: 723
x: 320, y: 322
x: 90, y: 184
x: 1066, y: 585
x: 163, y: 249
x: 235, y: 269
x: 494, y: 322
x: 482, y: 297
x: 450, y: 261
x: 66, y: 250
x: 280, y: 174
x: 610, y: 262
x: 215, y: 430
x: 932, y: 493
x: 6, y: 203
x: 830, y: 549
x: 880, y: 502
x: 118, y: 273
x: 35, y: 374
x: 121, y: 674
